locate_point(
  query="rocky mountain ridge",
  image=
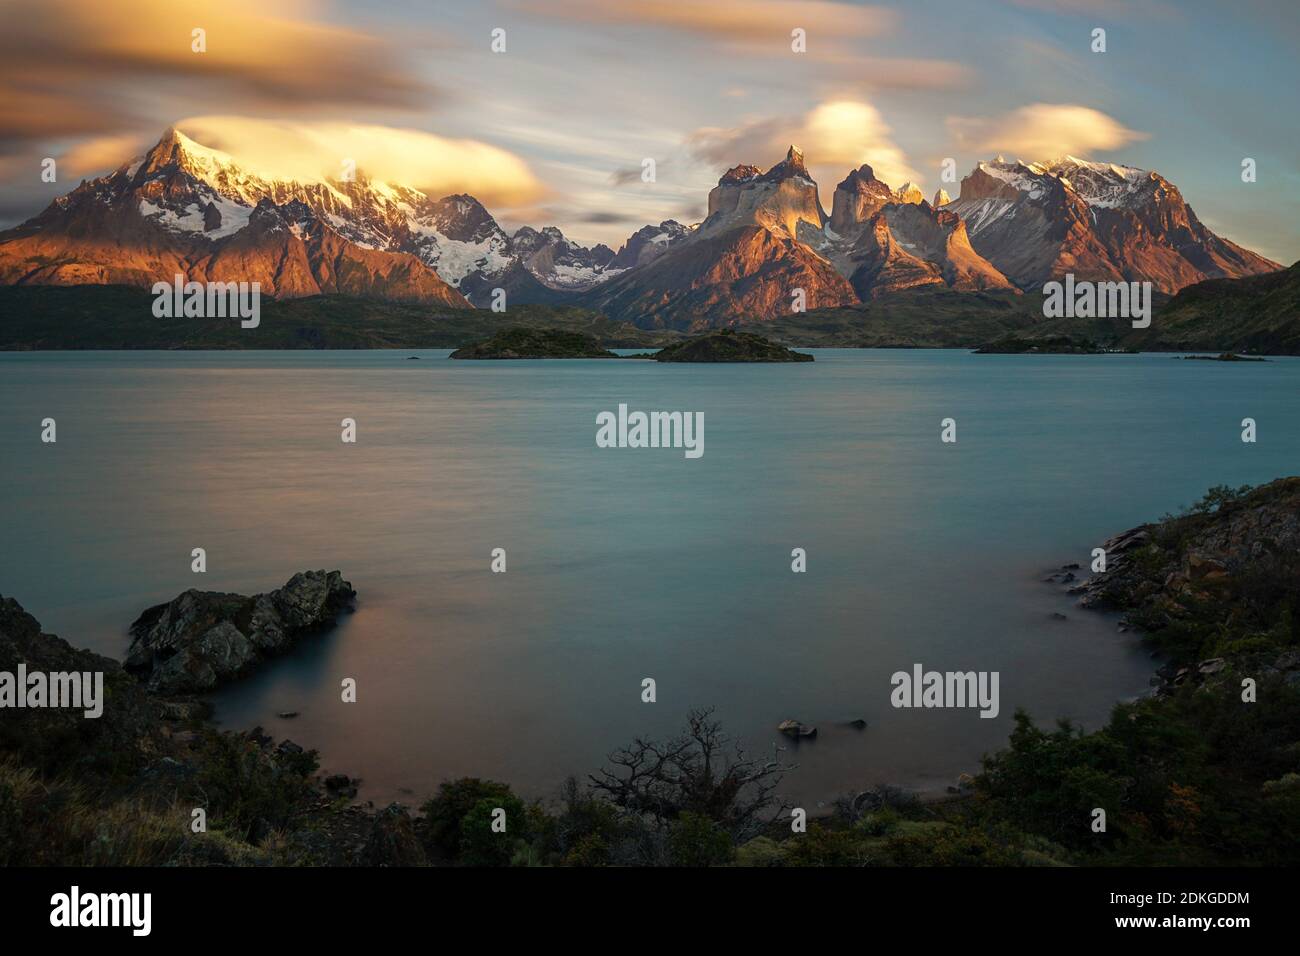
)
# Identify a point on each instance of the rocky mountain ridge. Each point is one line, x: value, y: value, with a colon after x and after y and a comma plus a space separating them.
x: 766, y: 248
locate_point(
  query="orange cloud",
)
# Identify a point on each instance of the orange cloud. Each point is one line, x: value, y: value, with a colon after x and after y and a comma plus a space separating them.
x: 100, y: 155
x: 307, y: 151
x: 731, y: 22
x: 1042, y: 131
x: 66, y: 60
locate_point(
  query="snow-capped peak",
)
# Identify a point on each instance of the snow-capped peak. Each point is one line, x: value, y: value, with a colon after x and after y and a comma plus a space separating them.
x: 1106, y: 185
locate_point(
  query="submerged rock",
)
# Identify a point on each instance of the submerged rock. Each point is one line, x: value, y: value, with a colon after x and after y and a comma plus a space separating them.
x: 796, y: 729
x: 202, y: 639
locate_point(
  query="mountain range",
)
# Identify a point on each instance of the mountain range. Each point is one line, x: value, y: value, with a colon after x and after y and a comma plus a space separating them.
x: 766, y: 247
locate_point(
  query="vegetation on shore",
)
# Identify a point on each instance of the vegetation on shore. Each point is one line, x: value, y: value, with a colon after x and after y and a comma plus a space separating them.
x: 1257, y: 314
x: 119, y: 317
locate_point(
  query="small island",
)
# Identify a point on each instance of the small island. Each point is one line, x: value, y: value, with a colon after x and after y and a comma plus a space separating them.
x: 525, y: 343
x: 727, y: 345
x: 1223, y: 357
x: 1047, y: 345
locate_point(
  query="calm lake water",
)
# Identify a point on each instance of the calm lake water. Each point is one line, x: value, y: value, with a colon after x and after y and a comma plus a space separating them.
x: 629, y: 563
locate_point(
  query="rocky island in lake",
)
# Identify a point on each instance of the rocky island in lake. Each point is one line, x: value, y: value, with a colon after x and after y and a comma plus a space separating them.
x: 201, y: 639
x: 526, y: 343
x: 1047, y: 345
x: 728, y: 345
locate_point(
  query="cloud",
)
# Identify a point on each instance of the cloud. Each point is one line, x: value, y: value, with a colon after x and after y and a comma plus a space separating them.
x: 1042, y: 131
x: 100, y: 154
x: 837, y: 136
x: 727, y: 22
x: 434, y: 164
x: 75, y: 67
x: 631, y: 175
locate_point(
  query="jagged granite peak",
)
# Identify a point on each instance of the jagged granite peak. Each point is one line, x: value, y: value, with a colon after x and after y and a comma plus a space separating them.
x: 719, y: 276
x: 739, y: 174
x: 913, y: 245
x: 784, y: 200
x: 857, y: 199
x: 941, y: 198
x: 909, y: 192
x: 792, y: 165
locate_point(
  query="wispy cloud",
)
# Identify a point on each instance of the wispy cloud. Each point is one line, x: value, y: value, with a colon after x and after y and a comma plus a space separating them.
x: 728, y: 22
x: 76, y: 67
x: 1042, y: 131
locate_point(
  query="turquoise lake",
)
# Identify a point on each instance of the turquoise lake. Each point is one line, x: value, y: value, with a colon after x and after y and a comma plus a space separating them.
x: 624, y: 564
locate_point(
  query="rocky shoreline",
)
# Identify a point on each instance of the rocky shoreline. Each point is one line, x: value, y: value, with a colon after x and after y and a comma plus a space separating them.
x: 154, y: 757
x: 1167, y: 576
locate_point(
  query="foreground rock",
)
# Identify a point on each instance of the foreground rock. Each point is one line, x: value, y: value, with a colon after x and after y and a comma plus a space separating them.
x: 525, y: 343
x: 1226, y: 566
x: 202, y: 639
x: 119, y: 788
x: 1156, y: 570
x: 729, y: 346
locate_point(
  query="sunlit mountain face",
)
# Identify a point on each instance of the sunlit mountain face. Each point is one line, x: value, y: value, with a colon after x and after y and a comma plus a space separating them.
x: 185, y: 208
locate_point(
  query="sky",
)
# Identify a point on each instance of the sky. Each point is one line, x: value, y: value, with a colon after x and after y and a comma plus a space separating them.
x: 555, y: 128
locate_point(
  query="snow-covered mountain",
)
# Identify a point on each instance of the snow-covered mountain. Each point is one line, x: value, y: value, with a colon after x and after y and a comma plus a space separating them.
x: 1099, y: 221
x: 453, y: 235
x: 183, y: 209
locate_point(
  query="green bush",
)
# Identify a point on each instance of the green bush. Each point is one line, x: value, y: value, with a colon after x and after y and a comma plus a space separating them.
x: 695, y: 840
x: 480, y: 844
x: 248, y: 790
x: 442, y: 827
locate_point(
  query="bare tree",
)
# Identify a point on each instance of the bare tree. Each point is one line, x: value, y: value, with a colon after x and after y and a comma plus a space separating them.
x: 701, y: 771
